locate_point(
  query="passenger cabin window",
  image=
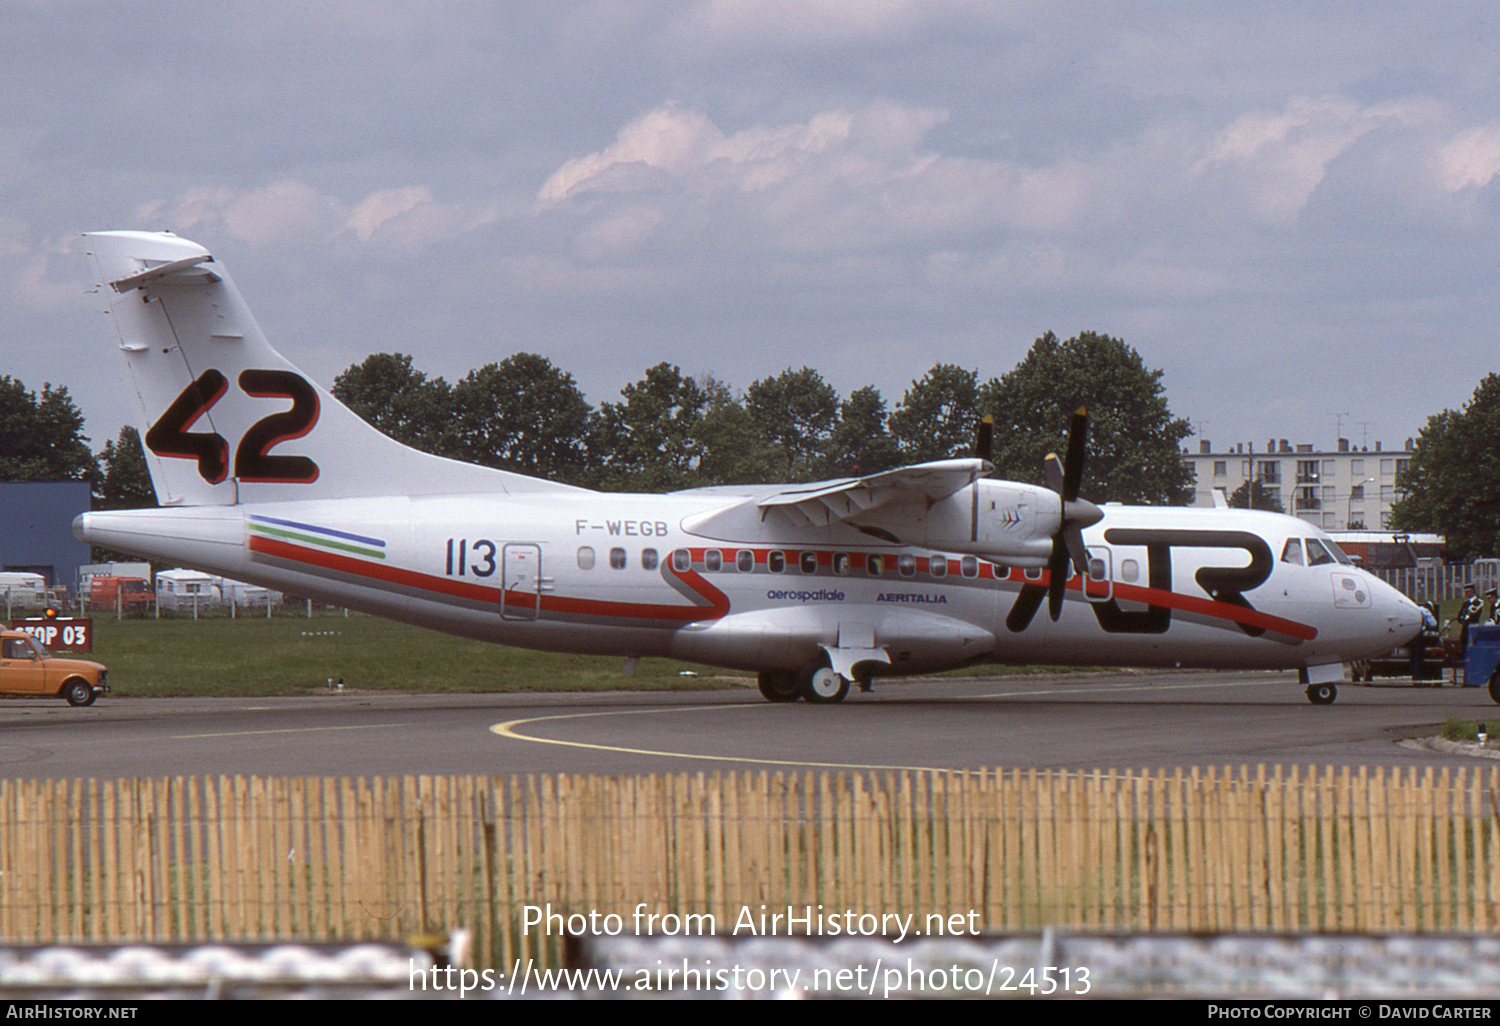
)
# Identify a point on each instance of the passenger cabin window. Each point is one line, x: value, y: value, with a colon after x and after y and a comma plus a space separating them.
x: 808, y: 562
x: 842, y: 564
x: 744, y: 561
x: 1292, y: 552
x: 906, y: 566
x: 937, y: 566
x: 713, y: 560
x: 585, y: 558
x: 776, y: 561
x: 1130, y: 571
x: 682, y: 560
x: 969, y: 566
x: 617, y: 559
x: 874, y: 564
x: 648, y: 559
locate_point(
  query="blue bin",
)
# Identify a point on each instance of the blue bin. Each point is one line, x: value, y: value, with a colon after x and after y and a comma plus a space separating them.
x: 1482, y: 656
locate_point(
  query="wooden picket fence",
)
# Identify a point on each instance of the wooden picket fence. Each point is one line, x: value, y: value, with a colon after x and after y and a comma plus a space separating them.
x: 191, y: 859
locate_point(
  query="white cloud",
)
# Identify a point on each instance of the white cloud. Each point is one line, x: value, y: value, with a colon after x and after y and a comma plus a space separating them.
x: 838, y: 179
x: 406, y: 218
x: 1472, y: 157
x: 1271, y: 162
x: 382, y: 205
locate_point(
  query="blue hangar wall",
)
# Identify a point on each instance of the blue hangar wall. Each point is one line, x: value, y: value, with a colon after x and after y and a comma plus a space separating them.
x: 36, y: 528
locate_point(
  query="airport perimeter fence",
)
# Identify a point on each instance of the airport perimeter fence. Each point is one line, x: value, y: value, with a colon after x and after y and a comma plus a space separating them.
x: 194, y: 859
x: 1442, y: 583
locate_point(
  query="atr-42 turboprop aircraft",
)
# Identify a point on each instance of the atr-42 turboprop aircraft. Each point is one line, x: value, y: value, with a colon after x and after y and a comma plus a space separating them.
x: 265, y: 477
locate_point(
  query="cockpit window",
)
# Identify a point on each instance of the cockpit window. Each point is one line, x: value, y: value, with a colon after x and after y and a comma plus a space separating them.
x: 1293, y: 552
x: 1317, y: 555
x: 1338, y: 553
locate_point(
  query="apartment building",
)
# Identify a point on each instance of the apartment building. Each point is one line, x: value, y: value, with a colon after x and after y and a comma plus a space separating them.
x: 1348, y: 488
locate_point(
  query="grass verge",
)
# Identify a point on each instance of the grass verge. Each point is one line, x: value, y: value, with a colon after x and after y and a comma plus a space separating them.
x: 294, y: 655
x: 298, y: 656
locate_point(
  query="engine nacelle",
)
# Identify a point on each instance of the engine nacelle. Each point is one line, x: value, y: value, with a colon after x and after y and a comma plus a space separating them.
x: 1005, y: 521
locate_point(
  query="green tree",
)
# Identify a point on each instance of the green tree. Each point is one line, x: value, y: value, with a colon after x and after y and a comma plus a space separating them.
x: 41, y: 436
x: 939, y: 415
x: 860, y: 444
x: 1134, y: 442
x: 125, y: 480
x: 1253, y: 495
x: 796, y: 412
x: 524, y: 415
x: 733, y: 450
x: 652, y: 441
x: 400, y: 401
x: 1452, y: 484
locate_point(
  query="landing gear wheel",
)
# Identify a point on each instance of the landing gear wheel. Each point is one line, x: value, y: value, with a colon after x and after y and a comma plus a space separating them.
x: 1495, y: 685
x: 1322, y: 694
x: 78, y: 692
x: 779, y: 686
x: 823, y: 685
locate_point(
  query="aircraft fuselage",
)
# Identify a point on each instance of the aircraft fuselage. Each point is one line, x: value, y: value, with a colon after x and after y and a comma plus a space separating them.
x: 611, y: 573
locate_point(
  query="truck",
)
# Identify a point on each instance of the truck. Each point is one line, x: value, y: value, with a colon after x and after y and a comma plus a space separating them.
x: 121, y: 593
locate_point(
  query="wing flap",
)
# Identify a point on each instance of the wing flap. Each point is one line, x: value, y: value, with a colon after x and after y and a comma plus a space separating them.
x: 830, y: 502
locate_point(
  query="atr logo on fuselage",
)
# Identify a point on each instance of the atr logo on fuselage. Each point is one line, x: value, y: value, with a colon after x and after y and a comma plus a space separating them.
x: 1224, y: 584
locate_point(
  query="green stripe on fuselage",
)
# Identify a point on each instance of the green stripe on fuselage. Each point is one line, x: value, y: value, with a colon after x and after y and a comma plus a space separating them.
x: 312, y: 539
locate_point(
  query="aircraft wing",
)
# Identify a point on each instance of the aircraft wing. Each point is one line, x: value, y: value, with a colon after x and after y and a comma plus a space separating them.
x: 829, y: 502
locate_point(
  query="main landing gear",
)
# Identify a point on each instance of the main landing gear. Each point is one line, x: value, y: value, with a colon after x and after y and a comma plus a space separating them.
x: 779, y: 686
x: 817, y: 682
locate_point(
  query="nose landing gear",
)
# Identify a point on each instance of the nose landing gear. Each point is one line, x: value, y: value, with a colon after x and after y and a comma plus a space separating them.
x: 1322, y: 694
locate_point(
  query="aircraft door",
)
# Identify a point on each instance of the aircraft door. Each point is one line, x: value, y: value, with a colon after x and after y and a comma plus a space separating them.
x: 1099, y: 581
x: 521, y: 576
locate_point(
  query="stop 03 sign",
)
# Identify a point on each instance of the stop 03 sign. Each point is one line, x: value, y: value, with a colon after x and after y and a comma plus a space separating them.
x: 64, y: 634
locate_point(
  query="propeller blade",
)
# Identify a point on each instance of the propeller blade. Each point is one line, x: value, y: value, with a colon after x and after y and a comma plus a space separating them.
x: 1063, y: 477
x: 1057, y: 578
x: 1078, y: 434
x: 984, y: 444
x: 1054, y: 470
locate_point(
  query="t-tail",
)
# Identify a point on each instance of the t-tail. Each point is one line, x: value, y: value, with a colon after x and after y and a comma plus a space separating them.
x: 226, y: 419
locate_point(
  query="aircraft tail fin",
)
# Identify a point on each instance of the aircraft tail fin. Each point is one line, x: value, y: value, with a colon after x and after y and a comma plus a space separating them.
x: 224, y: 417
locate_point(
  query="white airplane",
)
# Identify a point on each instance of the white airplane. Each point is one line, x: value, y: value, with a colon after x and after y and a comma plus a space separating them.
x: 264, y: 477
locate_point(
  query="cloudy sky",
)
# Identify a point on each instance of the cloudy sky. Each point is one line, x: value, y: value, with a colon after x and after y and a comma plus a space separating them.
x: 1289, y: 208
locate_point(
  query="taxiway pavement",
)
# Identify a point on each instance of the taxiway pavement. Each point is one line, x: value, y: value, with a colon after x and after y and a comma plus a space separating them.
x: 1072, y: 721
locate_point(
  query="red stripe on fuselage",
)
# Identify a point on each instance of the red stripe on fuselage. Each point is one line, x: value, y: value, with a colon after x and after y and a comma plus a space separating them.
x: 1219, y: 610
x: 719, y: 603
x: 374, y: 571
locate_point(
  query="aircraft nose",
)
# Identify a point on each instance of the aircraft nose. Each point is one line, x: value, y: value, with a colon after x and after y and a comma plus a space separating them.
x: 1402, y: 614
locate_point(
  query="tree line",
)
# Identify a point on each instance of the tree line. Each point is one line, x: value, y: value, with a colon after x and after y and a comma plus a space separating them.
x: 670, y: 431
